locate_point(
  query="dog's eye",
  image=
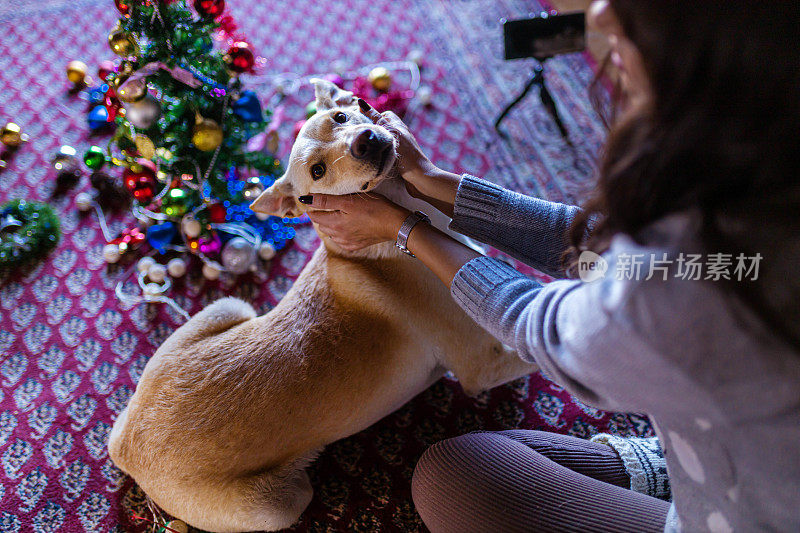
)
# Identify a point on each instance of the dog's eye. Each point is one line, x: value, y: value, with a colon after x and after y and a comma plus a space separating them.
x: 340, y: 117
x: 318, y: 170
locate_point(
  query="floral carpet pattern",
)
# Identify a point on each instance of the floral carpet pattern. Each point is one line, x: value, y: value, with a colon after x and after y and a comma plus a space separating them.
x: 71, y: 353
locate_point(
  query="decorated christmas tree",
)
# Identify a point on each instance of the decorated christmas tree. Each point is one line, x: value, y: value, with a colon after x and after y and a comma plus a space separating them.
x: 181, y: 120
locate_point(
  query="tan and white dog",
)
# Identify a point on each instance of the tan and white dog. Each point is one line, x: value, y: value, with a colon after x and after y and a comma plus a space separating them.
x: 233, y: 407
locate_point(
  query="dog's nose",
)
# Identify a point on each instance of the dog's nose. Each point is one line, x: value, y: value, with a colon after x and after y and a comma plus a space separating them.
x: 367, y: 144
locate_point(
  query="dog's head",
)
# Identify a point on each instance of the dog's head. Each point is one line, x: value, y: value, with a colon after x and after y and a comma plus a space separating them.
x: 338, y: 151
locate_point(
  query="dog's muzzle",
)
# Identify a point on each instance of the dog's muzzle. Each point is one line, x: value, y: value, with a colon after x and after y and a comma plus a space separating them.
x: 370, y: 146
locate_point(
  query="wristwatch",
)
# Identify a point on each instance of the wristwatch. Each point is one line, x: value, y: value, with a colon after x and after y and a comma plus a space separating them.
x: 405, y: 230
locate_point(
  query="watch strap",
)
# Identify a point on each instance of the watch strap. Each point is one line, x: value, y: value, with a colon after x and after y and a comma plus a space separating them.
x: 405, y: 230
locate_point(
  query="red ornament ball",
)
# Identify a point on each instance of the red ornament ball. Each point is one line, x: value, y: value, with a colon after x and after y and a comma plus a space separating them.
x: 106, y: 67
x: 209, y: 8
x: 129, y: 238
x: 216, y: 213
x: 124, y: 6
x: 140, y: 179
x: 144, y: 194
x: 240, y: 57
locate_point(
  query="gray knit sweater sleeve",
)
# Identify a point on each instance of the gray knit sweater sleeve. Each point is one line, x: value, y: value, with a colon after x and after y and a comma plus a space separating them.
x: 720, y: 387
x: 529, y: 229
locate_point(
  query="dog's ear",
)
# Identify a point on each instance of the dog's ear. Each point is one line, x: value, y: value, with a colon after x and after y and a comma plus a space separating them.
x: 278, y: 200
x: 329, y: 95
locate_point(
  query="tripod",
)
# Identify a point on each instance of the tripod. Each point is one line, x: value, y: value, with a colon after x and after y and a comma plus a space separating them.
x: 544, y: 95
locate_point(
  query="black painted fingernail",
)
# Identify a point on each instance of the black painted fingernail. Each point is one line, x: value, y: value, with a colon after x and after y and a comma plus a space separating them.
x: 307, y: 199
x: 364, y: 105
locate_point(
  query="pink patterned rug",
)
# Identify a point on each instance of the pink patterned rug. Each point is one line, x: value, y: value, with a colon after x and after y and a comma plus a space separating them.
x: 72, y: 354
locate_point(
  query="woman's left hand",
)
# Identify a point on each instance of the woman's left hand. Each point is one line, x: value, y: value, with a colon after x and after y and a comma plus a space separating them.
x: 356, y: 221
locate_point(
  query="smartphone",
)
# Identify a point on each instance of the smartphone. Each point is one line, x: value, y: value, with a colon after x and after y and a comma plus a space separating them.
x: 545, y: 36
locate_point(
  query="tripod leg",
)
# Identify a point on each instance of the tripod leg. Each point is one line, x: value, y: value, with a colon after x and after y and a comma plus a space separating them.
x: 535, y: 79
x: 550, y: 105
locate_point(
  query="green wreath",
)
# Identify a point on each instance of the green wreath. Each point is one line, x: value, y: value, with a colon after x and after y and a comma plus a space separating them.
x: 28, y: 231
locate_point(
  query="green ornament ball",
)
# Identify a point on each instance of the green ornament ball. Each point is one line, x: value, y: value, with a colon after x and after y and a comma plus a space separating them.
x: 311, y: 109
x: 94, y: 158
x: 175, y: 203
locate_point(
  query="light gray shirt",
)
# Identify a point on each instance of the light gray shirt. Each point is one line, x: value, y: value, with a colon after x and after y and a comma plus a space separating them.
x: 723, y: 392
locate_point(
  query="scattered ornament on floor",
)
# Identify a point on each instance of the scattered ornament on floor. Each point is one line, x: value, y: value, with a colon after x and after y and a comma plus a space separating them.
x: 210, y: 272
x: 416, y: 56
x: 129, y: 239
x: 266, y: 251
x: 238, y: 255
x: 76, y: 73
x: 94, y: 158
x: 84, y: 202
x: 98, y: 118
x: 157, y: 272
x: 160, y: 236
x: 425, y: 95
x: 66, y: 160
x: 28, y: 232
x: 380, y: 78
x: 191, y: 227
x: 110, y: 194
x: 176, y: 267
x: 111, y: 253
x: 11, y: 135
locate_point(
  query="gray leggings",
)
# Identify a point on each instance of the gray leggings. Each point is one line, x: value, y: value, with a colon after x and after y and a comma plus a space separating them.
x: 522, y: 480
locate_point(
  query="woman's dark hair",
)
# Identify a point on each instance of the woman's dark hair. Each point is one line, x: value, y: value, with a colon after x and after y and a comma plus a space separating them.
x: 721, y: 134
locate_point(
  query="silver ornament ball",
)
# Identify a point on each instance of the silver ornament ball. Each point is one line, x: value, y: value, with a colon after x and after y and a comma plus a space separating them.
x: 266, y: 251
x: 252, y: 189
x: 176, y: 267
x: 238, y: 255
x: 143, y: 113
x: 144, y: 264
x: 83, y: 201
x: 210, y: 272
x: 157, y: 272
x: 111, y: 253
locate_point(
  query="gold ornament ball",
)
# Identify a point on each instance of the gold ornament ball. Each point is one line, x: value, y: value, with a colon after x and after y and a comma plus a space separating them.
x: 122, y: 43
x: 11, y: 135
x: 380, y: 78
x: 145, y: 146
x: 207, y: 134
x: 76, y: 71
x: 132, y: 90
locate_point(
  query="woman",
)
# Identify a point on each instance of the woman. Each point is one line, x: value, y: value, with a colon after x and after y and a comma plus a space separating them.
x: 702, y: 163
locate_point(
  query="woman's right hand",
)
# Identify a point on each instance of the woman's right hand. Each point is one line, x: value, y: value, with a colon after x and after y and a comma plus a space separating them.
x: 424, y: 180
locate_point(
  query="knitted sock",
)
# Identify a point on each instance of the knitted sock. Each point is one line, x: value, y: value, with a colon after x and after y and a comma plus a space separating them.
x: 644, y: 462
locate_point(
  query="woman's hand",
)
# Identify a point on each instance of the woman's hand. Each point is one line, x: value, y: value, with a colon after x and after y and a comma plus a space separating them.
x: 356, y: 221
x: 424, y: 180
x: 412, y: 163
